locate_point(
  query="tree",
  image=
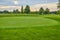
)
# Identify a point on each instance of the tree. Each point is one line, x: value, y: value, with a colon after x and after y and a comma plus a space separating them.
x: 22, y: 9
x: 58, y: 12
x: 16, y: 11
x: 58, y: 5
x: 47, y: 11
x: 6, y: 11
x: 27, y: 9
x: 41, y: 11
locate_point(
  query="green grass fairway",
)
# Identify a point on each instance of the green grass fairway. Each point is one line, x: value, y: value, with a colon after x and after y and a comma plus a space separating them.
x: 17, y: 22
x: 30, y: 28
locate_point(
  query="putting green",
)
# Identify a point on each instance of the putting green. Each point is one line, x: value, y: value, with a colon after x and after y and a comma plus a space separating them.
x: 15, y: 22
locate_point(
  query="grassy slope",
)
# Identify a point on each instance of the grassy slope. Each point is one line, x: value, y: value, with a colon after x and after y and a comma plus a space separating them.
x: 32, y: 33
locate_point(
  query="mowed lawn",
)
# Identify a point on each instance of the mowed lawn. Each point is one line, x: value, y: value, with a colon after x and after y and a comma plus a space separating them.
x: 30, y: 28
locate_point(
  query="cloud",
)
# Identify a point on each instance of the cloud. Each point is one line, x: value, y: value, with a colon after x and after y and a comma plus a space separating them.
x: 9, y: 8
x: 51, y: 6
x: 25, y: 2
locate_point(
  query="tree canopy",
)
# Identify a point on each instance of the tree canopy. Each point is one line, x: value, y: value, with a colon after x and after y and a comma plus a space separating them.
x: 27, y: 9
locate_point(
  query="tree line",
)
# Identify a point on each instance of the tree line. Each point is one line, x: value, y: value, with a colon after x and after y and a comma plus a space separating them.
x: 28, y: 11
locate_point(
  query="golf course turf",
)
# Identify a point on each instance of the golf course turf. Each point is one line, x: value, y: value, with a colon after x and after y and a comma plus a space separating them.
x: 30, y: 28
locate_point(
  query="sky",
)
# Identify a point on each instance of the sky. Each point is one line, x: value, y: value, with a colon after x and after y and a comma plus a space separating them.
x: 34, y: 4
x: 25, y: 2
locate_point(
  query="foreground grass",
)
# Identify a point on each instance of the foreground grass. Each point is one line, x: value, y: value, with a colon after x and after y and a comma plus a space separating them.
x: 33, y: 33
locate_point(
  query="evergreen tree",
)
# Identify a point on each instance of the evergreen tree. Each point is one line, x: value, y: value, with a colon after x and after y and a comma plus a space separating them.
x: 22, y: 9
x: 41, y: 11
x: 27, y: 9
x: 58, y: 12
x: 58, y: 5
x: 14, y: 11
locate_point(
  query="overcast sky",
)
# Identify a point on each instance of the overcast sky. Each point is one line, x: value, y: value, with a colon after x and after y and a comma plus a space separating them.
x: 25, y: 2
x: 35, y: 4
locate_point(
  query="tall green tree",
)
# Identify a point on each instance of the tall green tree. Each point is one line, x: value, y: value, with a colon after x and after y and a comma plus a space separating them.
x: 22, y: 9
x: 58, y: 12
x: 14, y: 11
x: 41, y: 11
x: 47, y: 11
x: 27, y: 9
x: 58, y: 5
